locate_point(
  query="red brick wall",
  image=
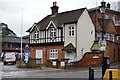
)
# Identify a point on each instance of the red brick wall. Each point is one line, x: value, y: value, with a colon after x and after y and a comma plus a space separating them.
x: 46, y: 49
x: 112, y: 51
x: 88, y: 60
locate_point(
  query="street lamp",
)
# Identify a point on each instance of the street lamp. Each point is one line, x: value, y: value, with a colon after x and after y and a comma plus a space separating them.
x: 103, y: 41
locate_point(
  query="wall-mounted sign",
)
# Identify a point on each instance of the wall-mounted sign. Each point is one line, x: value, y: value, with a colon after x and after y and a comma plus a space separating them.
x: 54, y: 63
x: 95, y: 57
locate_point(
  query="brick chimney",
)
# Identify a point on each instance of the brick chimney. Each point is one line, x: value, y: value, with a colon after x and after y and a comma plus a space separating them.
x: 103, y: 3
x: 108, y: 5
x: 54, y: 8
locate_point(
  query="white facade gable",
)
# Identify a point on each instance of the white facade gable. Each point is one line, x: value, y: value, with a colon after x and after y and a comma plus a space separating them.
x: 51, y: 22
x: 85, y: 34
x: 34, y: 26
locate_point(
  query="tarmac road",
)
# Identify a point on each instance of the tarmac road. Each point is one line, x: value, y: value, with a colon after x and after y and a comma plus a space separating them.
x: 11, y: 71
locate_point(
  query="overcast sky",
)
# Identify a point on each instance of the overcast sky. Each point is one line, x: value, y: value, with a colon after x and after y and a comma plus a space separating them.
x: 34, y: 10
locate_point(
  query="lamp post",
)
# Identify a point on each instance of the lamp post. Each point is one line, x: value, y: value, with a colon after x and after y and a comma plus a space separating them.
x: 103, y: 42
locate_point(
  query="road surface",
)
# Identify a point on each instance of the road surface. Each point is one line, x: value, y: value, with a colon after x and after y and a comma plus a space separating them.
x: 11, y: 71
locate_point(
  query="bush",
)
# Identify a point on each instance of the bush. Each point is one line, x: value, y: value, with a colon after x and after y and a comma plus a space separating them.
x: 30, y: 64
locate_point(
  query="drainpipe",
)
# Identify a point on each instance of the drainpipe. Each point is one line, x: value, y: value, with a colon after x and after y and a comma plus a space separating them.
x: 76, y: 39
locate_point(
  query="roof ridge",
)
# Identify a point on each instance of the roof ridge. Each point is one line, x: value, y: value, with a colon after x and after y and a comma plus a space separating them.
x: 72, y: 10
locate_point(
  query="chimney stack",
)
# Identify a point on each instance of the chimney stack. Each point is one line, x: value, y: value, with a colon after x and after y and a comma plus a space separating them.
x: 54, y: 8
x: 103, y: 3
x: 108, y: 5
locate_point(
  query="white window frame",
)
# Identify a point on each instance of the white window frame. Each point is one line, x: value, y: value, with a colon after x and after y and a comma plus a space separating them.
x: 118, y: 37
x: 71, y: 31
x: 53, y: 32
x: 107, y: 16
x: 114, y: 19
x: 53, y: 53
x: 113, y: 37
x: 36, y: 34
x: 108, y: 36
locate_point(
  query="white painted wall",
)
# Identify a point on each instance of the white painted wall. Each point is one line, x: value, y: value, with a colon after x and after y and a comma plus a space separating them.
x: 84, y: 37
x: 69, y: 39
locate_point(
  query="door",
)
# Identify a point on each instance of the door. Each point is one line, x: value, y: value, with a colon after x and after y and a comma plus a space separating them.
x: 39, y: 54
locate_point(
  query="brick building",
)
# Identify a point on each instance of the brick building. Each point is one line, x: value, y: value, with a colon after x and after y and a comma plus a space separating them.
x: 111, y: 28
x: 66, y: 35
x: 10, y: 42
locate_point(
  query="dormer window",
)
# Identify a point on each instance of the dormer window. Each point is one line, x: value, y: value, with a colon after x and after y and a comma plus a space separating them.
x: 71, y: 31
x: 113, y: 19
x: 107, y: 16
x: 53, y: 32
x: 112, y: 37
x: 36, y: 34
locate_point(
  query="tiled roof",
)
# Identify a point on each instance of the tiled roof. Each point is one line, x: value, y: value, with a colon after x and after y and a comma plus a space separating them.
x: 118, y: 29
x: 69, y: 47
x: 108, y: 26
x: 60, y: 18
x: 7, y: 32
x: 95, y: 46
x: 14, y: 40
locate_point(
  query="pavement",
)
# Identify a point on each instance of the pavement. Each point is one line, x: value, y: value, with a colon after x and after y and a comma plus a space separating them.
x: 112, y: 66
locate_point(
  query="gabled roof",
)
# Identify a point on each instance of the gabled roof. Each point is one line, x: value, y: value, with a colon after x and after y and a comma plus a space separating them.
x: 6, y: 31
x: 69, y: 48
x: 95, y: 46
x: 60, y: 19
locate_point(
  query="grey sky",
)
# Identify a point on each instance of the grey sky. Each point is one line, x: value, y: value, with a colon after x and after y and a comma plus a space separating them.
x: 35, y: 10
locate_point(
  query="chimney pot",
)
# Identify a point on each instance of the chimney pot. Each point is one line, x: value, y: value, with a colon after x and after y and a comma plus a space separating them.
x: 54, y: 8
x: 108, y: 5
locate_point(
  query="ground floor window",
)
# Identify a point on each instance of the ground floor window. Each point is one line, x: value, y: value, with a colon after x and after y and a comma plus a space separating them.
x: 53, y: 53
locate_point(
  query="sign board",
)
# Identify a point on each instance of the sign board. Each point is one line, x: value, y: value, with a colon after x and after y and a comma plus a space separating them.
x: 100, y: 35
x: 102, y: 42
x: 95, y: 57
x: 26, y: 55
x: 62, y: 63
x: 54, y: 63
x: 102, y: 48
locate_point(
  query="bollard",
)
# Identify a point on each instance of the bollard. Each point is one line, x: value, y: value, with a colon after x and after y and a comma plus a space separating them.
x: 92, y: 73
x: 110, y: 75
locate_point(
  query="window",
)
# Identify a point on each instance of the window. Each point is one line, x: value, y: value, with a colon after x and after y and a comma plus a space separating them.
x: 71, y: 31
x: 112, y: 37
x: 36, y: 34
x: 107, y: 17
x: 53, y: 53
x: 107, y: 36
x: 113, y: 19
x: 118, y: 37
x: 53, y: 32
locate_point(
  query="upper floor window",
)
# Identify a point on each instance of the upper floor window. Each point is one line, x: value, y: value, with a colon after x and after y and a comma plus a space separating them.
x: 53, y: 53
x: 71, y: 31
x: 107, y: 16
x: 118, y: 37
x: 36, y: 34
x: 53, y: 32
x: 113, y: 19
x: 107, y: 36
x: 112, y: 37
